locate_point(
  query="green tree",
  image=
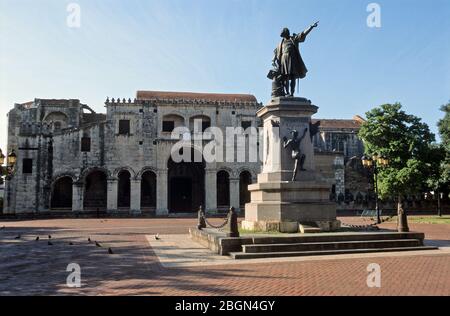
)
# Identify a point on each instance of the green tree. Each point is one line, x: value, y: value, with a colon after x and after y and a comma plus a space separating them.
x: 444, y: 132
x: 405, y: 141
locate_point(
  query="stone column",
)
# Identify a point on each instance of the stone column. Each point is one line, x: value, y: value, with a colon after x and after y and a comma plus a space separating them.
x: 161, y: 192
x: 77, y: 197
x: 234, y: 193
x: 135, y: 196
x: 210, y: 191
x: 112, y: 195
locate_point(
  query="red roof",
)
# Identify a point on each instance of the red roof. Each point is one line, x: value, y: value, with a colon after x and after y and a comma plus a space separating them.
x: 149, y: 95
x: 331, y: 123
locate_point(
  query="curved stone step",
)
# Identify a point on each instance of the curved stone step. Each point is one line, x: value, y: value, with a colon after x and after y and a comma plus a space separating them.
x: 241, y: 255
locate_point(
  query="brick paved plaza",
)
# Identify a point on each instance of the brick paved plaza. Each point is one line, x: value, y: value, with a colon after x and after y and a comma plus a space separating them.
x: 30, y: 267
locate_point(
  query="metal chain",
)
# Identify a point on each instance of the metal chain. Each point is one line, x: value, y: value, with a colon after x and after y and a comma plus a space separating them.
x: 370, y: 226
x: 213, y: 226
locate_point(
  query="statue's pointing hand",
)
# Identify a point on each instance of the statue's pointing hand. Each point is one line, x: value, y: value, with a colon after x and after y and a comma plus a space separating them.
x: 315, y: 24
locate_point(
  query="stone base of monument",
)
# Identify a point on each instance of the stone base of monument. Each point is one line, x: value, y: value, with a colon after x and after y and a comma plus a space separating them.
x: 287, y: 206
x: 295, y: 245
x: 290, y: 206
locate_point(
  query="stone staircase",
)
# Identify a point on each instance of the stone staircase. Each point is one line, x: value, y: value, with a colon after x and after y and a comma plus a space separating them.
x: 329, y: 244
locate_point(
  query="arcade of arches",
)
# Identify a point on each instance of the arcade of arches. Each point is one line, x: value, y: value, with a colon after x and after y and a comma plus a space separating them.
x: 187, y: 187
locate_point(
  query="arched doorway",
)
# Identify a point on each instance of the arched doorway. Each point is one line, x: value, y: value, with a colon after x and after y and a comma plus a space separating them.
x: 223, y: 190
x: 245, y: 178
x: 62, y: 194
x: 123, y: 189
x: 148, y: 190
x: 186, y: 185
x: 95, y: 190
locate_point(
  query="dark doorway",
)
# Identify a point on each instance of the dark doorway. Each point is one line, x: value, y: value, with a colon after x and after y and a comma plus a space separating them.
x: 181, y: 195
x: 62, y: 194
x: 148, y: 190
x: 186, y: 185
x: 223, y: 190
x: 95, y: 190
x: 123, y: 194
x: 245, y: 178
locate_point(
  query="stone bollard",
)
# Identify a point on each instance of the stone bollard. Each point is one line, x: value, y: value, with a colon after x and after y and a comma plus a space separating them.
x: 201, y: 219
x: 231, y: 228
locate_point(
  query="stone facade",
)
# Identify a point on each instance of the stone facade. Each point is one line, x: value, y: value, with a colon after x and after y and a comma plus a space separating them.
x: 70, y: 158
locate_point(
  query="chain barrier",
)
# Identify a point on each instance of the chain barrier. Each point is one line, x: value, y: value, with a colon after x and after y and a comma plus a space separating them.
x: 213, y: 226
x: 372, y: 226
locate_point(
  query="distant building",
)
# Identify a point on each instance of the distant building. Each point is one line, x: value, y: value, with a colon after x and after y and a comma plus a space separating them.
x: 338, y: 152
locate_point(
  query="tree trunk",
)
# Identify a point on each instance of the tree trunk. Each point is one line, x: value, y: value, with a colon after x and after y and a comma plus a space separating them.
x: 439, y: 203
x: 402, y: 220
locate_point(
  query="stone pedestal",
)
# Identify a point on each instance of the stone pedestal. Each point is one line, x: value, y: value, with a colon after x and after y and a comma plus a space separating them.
x: 277, y: 203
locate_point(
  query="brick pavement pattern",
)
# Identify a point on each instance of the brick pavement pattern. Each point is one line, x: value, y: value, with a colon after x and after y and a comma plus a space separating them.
x: 29, y: 267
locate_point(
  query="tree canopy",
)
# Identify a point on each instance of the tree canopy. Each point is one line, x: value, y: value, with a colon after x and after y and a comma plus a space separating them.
x: 406, y: 141
x: 444, y: 132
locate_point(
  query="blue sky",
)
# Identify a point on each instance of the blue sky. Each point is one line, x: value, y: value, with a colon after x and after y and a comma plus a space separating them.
x: 226, y: 46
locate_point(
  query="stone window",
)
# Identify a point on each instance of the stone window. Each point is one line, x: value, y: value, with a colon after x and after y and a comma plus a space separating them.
x: 27, y: 166
x: 85, y: 144
x: 168, y: 126
x: 199, y: 123
x: 124, y: 127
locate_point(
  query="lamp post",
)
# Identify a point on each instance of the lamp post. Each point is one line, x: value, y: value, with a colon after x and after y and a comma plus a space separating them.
x: 10, y: 163
x: 2, y: 161
x: 372, y: 164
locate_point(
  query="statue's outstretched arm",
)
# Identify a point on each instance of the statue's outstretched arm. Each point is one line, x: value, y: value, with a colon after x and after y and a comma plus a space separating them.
x: 304, y: 34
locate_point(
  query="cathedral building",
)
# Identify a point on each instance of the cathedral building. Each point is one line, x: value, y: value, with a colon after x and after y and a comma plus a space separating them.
x: 71, y: 159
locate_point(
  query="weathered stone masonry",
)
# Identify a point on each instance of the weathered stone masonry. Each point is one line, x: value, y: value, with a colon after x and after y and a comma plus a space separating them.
x: 114, y: 162
x: 120, y: 161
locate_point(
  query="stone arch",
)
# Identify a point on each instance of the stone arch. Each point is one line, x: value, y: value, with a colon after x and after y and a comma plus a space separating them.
x: 87, y: 171
x: 144, y: 170
x: 61, y: 192
x: 117, y: 171
x: 95, y: 188
x: 64, y: 174
x: 60, y: 120
x: 205, y: 121
x: 177, y: 119
x: 187, y: 145
x: 242, y: 169
x: 223, y: 189
x: 148, y: 178
x: 186, y: 184
x: 245, y: 179
x: 124, y: 188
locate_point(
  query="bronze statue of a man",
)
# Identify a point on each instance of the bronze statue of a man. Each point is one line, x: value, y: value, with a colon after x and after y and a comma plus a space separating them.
x: 294, y: 146
x: 289, y: 59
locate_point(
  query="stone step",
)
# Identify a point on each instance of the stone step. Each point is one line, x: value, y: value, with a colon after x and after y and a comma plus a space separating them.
x: 306, y: 229
x: 241, y: 255
x: 333, y: 237
x: 334, y: 245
